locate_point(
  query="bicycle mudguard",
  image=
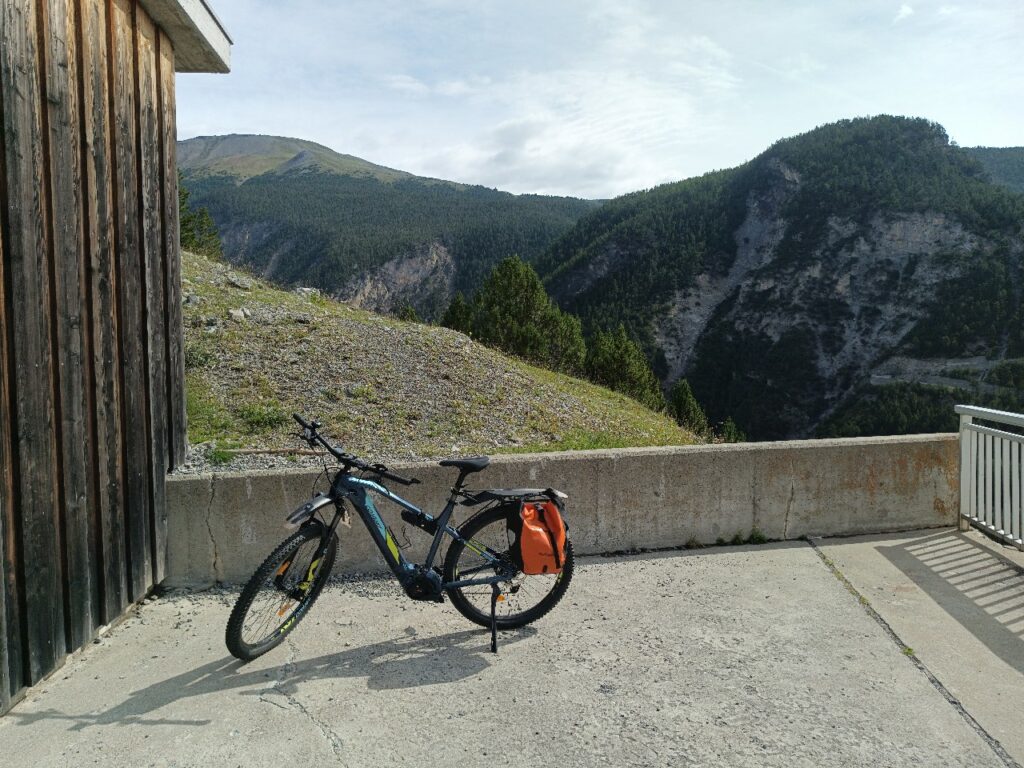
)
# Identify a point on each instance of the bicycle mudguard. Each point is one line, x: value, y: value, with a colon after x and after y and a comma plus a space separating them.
x: 308, y: 509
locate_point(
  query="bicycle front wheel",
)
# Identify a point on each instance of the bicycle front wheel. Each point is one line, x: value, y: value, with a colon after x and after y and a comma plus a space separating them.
x: 523, y: 598
x: 280, y: 593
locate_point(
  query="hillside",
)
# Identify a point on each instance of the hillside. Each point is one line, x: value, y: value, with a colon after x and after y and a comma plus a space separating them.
x: 781, y: 287
x: 299, y: 213
x: 243, y: 157
x: 1004, y: 165
x: 386, y: 389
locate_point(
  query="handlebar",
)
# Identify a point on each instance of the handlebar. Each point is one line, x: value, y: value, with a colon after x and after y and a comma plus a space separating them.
x: 311, y: 436
x: 380, y: 469
x: 305, y: 424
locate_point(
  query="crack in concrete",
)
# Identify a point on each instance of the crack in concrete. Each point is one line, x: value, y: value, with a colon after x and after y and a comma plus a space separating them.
x: 277, y: 686
x: 907, y: 651
x: 789, y: 508
x: 209, y: 529
x: 265, y: 700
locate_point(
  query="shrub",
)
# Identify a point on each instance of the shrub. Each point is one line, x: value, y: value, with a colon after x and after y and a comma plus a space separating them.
x: 262, y: 417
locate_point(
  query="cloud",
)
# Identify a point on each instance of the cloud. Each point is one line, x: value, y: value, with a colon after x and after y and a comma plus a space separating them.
x: 593, y: 129
x: 610, y: 120
x: 904, y: 12
x: 463, y: 87
x: 600, y: 97
x: 406, y: 84
x: 801, y: 65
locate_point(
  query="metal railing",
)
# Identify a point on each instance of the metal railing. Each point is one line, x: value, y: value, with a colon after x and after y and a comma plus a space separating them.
x: 991, y: 473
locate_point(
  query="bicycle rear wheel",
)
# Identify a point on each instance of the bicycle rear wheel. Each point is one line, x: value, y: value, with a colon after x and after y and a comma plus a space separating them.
x: 280, y: 593
x: 524, y: 598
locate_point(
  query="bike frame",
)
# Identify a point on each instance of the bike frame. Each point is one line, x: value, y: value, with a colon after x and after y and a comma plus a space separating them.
x: 357, y: 491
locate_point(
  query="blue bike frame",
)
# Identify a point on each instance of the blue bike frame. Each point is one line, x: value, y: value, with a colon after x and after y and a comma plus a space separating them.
x: 357, y: 490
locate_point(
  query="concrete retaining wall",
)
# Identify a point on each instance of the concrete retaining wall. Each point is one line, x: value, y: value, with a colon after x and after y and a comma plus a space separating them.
x: 222, y: 526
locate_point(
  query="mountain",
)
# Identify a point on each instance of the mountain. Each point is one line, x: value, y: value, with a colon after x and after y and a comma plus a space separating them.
x: 297, y: 212
x: 243, y: 157
x: 387, y: 389
x: 862, y: 254
x: 1004, y: 165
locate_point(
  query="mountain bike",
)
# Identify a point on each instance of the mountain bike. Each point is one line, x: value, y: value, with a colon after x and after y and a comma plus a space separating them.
x: 481, y: 570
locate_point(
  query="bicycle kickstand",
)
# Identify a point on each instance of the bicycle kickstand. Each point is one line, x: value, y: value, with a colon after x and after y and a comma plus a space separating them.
x: 494, y: 620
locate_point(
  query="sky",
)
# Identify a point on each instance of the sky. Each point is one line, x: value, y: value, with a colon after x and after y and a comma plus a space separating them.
x: 595, y: 98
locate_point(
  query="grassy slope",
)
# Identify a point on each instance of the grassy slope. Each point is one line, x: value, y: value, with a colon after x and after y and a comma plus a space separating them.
x: 386, y: 389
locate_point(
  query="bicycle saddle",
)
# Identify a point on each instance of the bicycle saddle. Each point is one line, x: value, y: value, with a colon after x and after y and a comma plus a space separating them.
x: 471, y: 464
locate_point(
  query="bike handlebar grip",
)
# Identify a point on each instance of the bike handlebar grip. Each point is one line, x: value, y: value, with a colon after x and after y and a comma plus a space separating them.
x: 302, y: 422
x: 399, y: 478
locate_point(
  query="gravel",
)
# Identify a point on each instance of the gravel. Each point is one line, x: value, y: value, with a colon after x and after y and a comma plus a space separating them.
x: 385, y: 389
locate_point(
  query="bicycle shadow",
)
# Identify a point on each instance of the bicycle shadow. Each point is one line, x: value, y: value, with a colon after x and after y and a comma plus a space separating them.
x: 405, y: 662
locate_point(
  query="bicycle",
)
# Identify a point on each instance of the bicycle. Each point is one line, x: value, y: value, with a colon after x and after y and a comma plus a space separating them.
x: 480, y: 565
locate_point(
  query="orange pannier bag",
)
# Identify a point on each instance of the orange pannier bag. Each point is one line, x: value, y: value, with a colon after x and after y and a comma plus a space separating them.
x: 542, y: 539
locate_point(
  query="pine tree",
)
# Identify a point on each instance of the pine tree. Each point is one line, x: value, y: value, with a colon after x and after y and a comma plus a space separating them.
x: 686, y: 409
x: 459, y: 315
x: 514, y: 313
x: 409, y: 314
x: 198, y: 233
x: 616, y: 361
x: 730, y: 433
x: 567, y: 351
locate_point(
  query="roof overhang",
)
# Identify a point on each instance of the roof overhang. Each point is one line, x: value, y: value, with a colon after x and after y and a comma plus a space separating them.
x: 200, y: 42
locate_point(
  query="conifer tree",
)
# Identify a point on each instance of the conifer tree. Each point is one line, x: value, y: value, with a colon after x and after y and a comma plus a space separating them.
x: 459, y: 315
x: 198, y: 233
x: 730, y: 433
x: 409, y: 314
x: 616, y: 361
x: 514, y: 313
x: 686, y: 409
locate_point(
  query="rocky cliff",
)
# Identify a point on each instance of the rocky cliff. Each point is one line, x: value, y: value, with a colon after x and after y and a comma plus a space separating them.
x: 423, y: 279
x: 781, y: 287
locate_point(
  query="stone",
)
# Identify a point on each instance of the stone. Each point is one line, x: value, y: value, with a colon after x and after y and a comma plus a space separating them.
x: 239, y: 281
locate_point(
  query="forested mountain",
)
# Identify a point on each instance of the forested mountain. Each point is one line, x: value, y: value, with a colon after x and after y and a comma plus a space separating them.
x: 1004, y: 165
x: 298, y: 213
x: 790, y: 290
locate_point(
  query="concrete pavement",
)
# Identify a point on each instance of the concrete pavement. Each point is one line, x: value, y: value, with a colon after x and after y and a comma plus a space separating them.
x: 957, y: 600
x: 730, y: 656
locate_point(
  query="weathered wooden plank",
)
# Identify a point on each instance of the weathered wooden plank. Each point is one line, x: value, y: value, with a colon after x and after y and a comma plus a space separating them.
x: 131, y: 284
x: 100, y: 241
x: 172, y: 258
x: 10, y: 644
x: 150, y: 227
x: 26, y: 260
x: 73, y: 372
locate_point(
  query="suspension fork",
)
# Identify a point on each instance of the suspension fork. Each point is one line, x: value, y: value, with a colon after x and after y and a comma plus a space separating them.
x: 321, y: 550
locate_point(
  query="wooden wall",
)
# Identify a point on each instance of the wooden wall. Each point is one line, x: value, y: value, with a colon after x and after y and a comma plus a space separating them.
x: 91, y: 369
